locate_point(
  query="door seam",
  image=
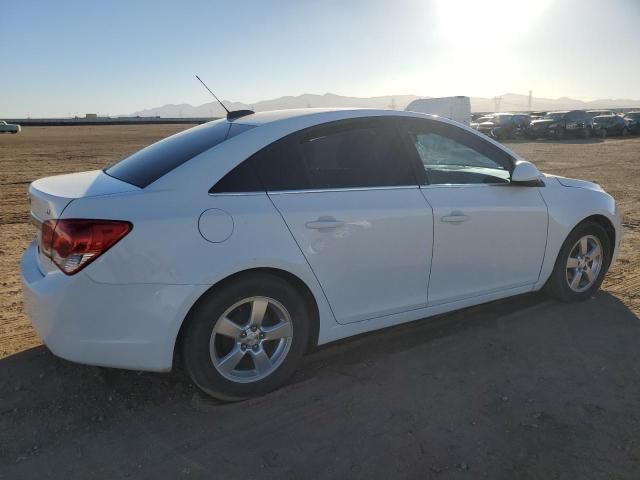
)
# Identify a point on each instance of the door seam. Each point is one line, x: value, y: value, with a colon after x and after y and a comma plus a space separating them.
x: 305, y: 259
x: 433, y: 241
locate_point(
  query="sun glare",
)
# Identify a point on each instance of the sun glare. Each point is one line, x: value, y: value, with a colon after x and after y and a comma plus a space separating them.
x: 463, y: 23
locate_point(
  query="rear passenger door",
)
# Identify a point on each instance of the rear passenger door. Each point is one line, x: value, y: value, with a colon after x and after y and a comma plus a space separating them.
x: 348, y: 193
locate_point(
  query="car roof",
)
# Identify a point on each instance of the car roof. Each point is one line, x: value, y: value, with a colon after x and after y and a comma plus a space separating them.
x: 274, y: 125
x: 263, y: 118
x: 325, y: 115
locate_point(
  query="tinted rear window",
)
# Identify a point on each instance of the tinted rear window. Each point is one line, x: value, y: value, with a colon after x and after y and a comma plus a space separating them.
x: 149, y: 164
x: 364, y: 153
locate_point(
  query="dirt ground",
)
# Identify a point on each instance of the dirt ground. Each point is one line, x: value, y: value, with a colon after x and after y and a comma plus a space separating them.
x: 521, y: 388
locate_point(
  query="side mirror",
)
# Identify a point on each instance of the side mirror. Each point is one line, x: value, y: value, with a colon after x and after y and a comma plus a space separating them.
x: 525, y: 173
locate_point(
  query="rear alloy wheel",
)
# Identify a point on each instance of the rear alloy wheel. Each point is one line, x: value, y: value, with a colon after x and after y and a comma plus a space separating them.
x: 581, y: 264
x: 247, y: 337
x: 251, y: 339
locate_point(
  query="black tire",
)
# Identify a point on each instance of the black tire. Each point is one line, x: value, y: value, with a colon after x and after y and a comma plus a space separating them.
x: 207, y: 312
x: 557, y: 285
x: 603, y: 133
x: 586, y: 133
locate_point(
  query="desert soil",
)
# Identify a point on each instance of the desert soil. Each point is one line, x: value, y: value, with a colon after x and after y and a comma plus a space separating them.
x: 521, y: 388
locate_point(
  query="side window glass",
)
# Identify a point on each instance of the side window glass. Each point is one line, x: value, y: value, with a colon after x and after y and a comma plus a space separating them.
x: 275, y: 167
x: 355, y: 154
x: 241, y: 179
x: 453, y: 156
x: 280, y: 167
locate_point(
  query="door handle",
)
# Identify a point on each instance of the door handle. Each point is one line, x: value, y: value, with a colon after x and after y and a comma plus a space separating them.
x: 455, y: 218
x: 324, y: 223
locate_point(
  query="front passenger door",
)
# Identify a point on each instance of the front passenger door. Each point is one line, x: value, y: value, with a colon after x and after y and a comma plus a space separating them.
x: 489, y: 235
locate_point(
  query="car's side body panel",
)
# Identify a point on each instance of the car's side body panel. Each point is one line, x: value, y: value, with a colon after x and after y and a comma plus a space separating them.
x: 166, y: 246
x: 337, y: 331
x: 369, y: 248
x: 487, y: 238
x: 568, y: 206
x: 111, y: 325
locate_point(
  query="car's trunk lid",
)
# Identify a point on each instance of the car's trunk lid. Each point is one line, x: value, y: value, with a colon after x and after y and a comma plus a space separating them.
x: 50, y: 196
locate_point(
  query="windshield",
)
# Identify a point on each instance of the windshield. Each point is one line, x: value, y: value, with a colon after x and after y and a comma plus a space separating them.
x: 149, y: 164
x: 553, y: 116
x: 484, y: 119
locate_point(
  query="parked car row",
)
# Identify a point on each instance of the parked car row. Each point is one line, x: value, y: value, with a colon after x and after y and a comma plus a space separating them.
x: 558, y: 125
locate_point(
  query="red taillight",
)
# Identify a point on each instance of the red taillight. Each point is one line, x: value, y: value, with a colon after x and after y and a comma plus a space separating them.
x: 73, y: 244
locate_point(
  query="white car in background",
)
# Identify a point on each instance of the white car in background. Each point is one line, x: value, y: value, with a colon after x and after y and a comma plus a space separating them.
x: 241, y: 244
x: 9, y: 127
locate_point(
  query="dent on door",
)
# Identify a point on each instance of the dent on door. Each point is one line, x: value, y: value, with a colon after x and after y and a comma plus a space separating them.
x: 369, y: 249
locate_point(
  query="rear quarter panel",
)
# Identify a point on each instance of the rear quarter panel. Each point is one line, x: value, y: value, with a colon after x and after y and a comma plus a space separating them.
x: 166, y: 246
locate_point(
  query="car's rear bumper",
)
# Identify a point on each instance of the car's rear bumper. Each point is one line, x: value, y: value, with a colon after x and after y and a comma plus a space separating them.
x: 130, y: 326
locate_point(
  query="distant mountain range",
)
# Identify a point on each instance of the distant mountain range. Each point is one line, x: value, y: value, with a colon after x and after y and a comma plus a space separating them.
x: 504, y: 103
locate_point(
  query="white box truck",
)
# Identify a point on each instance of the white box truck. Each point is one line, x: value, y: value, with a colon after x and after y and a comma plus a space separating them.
x: 453, y: 108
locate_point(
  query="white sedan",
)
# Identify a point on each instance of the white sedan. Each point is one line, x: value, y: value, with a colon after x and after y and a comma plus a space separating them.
x: 243, y: 243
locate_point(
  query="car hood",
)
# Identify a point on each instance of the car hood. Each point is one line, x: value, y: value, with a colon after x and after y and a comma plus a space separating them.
x: 575, y: 183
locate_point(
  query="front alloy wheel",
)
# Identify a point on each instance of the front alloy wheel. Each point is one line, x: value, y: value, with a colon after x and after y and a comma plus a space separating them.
x: 582, y: 263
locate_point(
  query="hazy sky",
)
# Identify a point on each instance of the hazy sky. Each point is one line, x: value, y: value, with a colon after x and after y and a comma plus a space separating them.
x: 112, y: 56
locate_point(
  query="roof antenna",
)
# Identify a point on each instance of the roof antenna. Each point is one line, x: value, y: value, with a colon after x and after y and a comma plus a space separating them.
x: 230, y: 115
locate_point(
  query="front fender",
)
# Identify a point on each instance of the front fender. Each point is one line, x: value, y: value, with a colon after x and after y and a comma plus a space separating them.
x: 568, y: 206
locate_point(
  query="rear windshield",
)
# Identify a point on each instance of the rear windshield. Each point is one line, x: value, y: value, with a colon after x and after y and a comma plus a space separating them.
x: 149, y: 164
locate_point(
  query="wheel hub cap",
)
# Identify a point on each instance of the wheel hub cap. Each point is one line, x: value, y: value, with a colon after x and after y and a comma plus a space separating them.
x: 251, y: 339
x: 584, y: 263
